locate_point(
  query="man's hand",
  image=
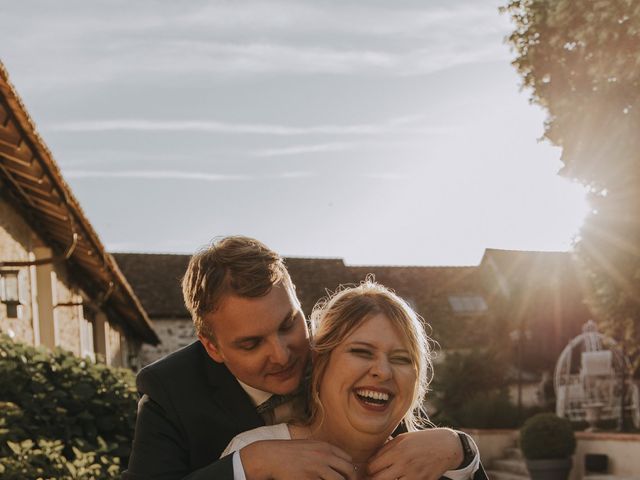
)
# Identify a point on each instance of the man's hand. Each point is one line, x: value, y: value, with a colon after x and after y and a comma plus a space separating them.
x: 423, y: 455
x: 296, y: 460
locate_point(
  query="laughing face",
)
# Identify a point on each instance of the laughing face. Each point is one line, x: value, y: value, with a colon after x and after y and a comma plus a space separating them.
x: 369, y: 381
x: 263, y: 341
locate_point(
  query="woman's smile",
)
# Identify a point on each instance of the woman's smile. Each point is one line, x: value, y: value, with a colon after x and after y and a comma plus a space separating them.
x: 374, y: 399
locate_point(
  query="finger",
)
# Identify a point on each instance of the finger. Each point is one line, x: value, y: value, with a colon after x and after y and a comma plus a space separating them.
x: 346, y: 469
x: 380, y: 461
x: 330, y: 474
x: 391, y: 473
x: 385, y: 449
x: 338, y: 452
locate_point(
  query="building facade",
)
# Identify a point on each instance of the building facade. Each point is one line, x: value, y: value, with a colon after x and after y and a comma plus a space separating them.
x: 58, y: 285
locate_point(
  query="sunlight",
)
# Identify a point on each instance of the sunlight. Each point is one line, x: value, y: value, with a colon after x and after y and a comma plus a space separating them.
x: 576, y: 209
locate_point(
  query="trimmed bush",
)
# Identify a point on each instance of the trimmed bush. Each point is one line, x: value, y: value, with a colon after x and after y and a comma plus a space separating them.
x: 62, y: 417
x: 546, y: 436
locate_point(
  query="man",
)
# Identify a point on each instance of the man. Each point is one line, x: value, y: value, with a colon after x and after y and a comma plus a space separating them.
x: 244, y: 372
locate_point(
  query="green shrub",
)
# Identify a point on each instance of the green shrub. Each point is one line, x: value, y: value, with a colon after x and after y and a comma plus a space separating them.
x: 62, y: 417
x: 547, y: 436
x: 489, y: 410
x: 469, y: 390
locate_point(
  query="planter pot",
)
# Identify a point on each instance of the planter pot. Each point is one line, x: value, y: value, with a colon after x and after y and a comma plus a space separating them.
x: 556, y: 469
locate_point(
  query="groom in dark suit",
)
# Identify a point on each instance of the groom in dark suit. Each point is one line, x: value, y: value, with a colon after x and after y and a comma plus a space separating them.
x: 244, y: 372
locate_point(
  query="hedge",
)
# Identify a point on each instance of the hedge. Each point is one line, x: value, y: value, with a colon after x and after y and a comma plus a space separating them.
x: 62, y: 417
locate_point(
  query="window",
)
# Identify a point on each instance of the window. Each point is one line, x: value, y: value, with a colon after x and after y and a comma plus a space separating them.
x: 467, y: 304
x: 10, y: 291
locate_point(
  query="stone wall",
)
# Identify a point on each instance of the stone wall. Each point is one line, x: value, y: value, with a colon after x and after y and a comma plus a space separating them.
x: 52, y: 304
x: 174, y: 334
x: 67, y: 315
x: 16, y: 238
x: 114, y: 348
x: 620, y: 448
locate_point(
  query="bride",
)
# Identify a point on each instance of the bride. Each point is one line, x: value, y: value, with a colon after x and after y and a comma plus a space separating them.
x: 371, y: 368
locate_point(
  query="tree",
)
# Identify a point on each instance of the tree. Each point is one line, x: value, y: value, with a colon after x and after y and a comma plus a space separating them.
x: 470, y: 390
x: 581, y: 61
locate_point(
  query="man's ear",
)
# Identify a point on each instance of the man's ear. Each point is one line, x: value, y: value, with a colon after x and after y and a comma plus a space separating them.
x: 211, y: 348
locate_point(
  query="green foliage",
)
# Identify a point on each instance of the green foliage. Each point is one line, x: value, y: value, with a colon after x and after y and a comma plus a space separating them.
x: 62, y: 417
x: 469, y: 391
x: 45, y: 459
x: 489, y: 410
x: 547, y: 436
x: 581, y: 61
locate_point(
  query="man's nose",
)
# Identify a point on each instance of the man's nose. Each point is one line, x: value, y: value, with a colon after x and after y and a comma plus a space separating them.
x: 280, y: 351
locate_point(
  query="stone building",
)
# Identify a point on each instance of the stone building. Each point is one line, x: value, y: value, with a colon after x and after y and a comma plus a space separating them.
x: 58, y: 285
x: 156, y: 281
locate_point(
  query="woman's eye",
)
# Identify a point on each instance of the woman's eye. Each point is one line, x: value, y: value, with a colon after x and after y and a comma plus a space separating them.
x: 361, y: 352
x: 286, y: 327
x: 401, y: 360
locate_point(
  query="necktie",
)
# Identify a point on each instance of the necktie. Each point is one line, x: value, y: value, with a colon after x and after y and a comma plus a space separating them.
x: 271, y: 403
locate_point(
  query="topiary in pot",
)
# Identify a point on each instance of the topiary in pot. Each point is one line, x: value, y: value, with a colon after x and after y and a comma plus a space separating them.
x: 547, y: 442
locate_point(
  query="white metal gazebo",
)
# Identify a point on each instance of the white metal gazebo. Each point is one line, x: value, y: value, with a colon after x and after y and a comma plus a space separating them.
x: 589, y: 380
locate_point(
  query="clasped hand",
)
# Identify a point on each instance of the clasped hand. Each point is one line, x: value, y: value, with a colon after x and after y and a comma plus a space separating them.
x: 423, y: 455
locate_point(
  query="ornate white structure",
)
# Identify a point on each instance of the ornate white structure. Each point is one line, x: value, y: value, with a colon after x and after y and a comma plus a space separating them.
x: 589, y: 380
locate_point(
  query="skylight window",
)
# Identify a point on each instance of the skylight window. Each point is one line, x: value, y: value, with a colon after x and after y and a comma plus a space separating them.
x: 464, y: 304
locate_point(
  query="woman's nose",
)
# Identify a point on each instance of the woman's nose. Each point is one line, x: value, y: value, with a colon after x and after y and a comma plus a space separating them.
x: 381, y: 368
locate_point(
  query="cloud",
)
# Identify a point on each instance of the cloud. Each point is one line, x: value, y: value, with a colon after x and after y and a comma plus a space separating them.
x: 177, y: 175
x: 101, y: 43
x: 290, y: 175
x: 242, y: 128
x: 157, y: 175
x: 386, y: 176
x: 272, y: 56
x: 303, y: 149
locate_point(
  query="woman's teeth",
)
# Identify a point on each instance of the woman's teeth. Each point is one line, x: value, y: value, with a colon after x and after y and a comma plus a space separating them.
x: 370, y: 396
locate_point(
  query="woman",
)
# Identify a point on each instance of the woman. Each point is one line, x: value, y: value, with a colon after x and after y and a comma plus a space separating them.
x: 371, y: 368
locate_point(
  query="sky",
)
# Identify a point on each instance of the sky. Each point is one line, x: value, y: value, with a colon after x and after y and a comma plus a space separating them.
x: 380, y: 132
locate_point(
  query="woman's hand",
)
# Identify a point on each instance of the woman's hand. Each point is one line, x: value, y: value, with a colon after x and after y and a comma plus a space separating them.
x: 296, y: 460
x: 423, y: 455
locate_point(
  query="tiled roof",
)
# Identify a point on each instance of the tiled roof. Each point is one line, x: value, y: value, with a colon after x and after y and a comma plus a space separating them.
x: 156, y: 280
x: 532, y: 265
x: 34, y: 182
x: 543, y: 293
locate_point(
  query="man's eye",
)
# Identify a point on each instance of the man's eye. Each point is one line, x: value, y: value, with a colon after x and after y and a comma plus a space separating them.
x: 249, y: 346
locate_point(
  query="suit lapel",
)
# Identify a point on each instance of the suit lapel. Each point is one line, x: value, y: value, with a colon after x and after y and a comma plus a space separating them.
x: 230, y: 396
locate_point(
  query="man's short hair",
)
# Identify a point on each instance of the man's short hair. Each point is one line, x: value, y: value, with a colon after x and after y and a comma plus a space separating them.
x: 236, y: 265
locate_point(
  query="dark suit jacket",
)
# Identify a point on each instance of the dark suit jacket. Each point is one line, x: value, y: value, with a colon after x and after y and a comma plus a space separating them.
x: 191, y: 407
